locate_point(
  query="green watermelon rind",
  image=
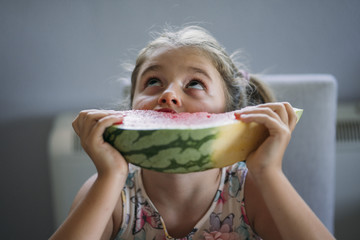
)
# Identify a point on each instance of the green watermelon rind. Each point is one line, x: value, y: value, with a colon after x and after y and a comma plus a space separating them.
x: 175, y: 150
x: 165, y: 150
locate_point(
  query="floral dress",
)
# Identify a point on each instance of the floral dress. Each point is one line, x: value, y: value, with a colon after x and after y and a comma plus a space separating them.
x: 226, y: 218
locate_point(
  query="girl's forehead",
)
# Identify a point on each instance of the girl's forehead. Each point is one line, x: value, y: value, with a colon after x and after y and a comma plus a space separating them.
x: 190, y: 55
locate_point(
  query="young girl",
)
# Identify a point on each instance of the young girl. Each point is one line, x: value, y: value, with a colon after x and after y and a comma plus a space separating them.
x: 188, y: 71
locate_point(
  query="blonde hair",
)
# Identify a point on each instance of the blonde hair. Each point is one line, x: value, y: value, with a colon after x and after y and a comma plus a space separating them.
x: 238, y: 86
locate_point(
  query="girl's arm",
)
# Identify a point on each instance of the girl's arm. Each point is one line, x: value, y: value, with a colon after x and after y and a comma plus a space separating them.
x: 91, y: 214
x: 281, y: 209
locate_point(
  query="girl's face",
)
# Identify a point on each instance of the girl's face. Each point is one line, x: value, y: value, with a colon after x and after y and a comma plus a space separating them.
x: 179, y: 80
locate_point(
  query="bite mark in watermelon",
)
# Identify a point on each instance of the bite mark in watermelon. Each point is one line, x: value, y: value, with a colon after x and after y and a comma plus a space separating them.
x: 184, y: 142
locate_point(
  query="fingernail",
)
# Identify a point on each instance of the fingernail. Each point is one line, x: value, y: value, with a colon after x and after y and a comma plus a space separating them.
x: 244, y: 115
x: 119, y: 122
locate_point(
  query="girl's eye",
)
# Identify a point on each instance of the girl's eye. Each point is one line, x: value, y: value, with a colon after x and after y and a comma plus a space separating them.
x: 153, y: 82
x: 196, y: 84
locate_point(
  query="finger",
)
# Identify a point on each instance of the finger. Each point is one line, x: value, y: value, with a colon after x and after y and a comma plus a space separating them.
x: 87, y: 119
x: 96, y: 115
x: 99, y: 129
x: 292, y: 116
x: 279, y: 109
x: 258, y: 110
x: 75, y: 125
x: 274, y: 126
x: 84, y: 122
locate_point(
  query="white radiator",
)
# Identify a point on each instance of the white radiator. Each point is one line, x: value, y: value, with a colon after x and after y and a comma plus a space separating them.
x: 69, y: 166
x: 347, y: 159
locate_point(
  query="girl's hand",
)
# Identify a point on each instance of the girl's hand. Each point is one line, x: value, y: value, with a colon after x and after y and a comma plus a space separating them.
x: 274, y: 207
x: 280, y: 120
x: 90, y: 125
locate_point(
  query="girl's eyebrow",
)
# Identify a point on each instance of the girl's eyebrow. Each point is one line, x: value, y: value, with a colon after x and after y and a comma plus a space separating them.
x: 199, y: 70
x: 151, y: 68
x: 156, y: 67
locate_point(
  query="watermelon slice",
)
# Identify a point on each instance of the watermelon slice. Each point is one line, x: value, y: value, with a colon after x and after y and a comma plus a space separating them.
x: 184, y: 142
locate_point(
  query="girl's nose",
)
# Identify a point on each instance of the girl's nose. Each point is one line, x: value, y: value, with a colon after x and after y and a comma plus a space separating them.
x: 169, y: 98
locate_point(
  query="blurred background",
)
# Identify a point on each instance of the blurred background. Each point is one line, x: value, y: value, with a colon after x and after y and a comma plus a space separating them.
x: 65, y: 56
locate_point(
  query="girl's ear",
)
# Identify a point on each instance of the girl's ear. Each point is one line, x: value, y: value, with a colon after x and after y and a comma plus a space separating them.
x: 258, y: 92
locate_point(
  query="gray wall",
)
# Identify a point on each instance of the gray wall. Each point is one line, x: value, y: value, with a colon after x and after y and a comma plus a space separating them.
x: 65, y: 56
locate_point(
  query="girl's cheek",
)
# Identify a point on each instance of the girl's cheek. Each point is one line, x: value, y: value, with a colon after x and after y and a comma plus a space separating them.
x: 144, y: 103
x: 150, y: 91
x: 212, y: 106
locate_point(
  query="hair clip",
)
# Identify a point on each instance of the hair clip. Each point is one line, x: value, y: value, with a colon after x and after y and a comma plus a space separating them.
x: 245, y: 75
